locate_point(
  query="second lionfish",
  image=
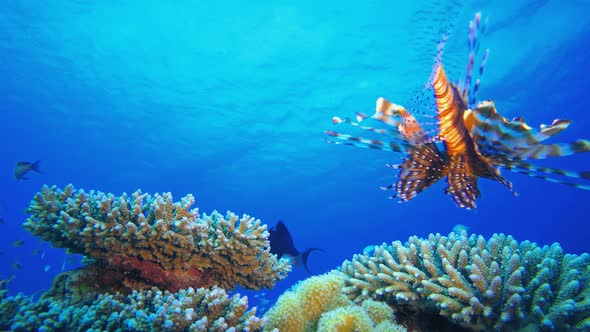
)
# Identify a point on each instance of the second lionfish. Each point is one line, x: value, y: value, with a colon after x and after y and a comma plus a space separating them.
x: 470, y: 140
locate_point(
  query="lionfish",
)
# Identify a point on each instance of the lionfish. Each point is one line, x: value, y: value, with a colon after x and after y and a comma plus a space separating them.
x: 476, y: 140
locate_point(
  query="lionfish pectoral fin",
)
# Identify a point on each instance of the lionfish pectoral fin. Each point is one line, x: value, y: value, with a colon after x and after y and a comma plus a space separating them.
x: 540, y: 172
x: 346, y: 139
x: 514, y: 137
x: 423, y: 167
x: 462, y: 184
x: 484, y: 168
x: 387, y: 112
x: 541, y: 151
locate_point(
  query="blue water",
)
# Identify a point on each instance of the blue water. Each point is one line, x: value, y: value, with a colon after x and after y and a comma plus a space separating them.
x: 229, y: 101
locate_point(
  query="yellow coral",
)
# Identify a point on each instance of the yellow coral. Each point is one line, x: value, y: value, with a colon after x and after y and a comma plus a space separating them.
x: 286, y: 315
x: 321, y: 293
x: 389, y: 326
x: 378, y: 311
x: 306, y: 302
x: 318, y: 304
x: 345, y: 319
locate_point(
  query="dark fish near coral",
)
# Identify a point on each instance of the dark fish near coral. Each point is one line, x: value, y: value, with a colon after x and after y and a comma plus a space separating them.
x: 18, y: 243
x: 281, y: 244
x: 23, y: 167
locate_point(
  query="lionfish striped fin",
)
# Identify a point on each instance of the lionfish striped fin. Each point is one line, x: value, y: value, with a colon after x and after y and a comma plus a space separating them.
x: 409, y: 128
x: 469, y: 91
x: 385, y: 112
x: 517, y: 165
x: 346, y: 139
x: 393, y: 135
x: 423, y: 167
x: 486, y: 124
x: 380, y: 131
x: 462, y: 184
x: 539, y: 173
x: 541, y: 151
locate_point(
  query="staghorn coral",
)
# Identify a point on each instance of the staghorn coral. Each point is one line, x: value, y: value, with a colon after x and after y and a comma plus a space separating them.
x: 144, y: 310
x: 152, y: 241
x: 317, y: 304
x: 495, y: 284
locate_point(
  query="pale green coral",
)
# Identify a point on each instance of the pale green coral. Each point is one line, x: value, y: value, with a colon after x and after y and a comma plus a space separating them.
x: 229, y: 250
x: 495, y: 284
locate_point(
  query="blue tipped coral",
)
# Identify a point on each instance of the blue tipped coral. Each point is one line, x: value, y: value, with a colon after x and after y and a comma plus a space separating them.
x: 145, y: 310
x: 497, y: 284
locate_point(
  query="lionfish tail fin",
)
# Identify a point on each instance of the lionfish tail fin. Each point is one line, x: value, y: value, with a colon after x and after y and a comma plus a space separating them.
x: 422, y: 168
x: 462, y: 185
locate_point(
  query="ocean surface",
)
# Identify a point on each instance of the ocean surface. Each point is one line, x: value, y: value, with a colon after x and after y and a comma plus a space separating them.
x: 229, y: 101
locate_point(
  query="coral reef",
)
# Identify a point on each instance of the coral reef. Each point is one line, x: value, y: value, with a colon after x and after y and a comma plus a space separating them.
x: 318, y: 304
x: 496, y: 284
x: 9, y: 306
x: 143, y: 310
x: 142, y: 240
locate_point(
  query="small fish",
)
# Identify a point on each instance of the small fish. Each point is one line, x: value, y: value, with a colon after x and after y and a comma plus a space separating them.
x: 4, y: 283
x: 36, y: 252
x: 461, y: 229
x: 369, y: 250
x: 16, y: 266
x: 23, y: 167
x: 281, y: 244
x: 18, y: 243
x: 2, y: 221
x: 47, y: 268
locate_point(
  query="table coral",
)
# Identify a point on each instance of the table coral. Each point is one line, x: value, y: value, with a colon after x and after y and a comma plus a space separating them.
x: 153, y: 241
x: 496, y: 284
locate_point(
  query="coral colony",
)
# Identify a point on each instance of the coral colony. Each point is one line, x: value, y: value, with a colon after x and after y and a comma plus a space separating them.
x: 154, y: 264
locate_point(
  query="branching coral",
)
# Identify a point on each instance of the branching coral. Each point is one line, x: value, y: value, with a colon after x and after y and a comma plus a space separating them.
x: 144, y: 310
x: 495, y: 284
x: 157, y: 241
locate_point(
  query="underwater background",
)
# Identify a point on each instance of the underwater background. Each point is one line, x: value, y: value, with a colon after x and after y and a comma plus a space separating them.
x: 229, y: 101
